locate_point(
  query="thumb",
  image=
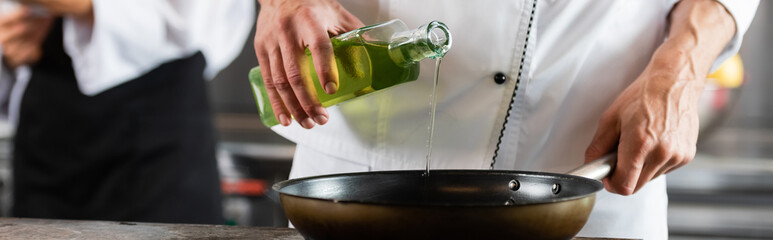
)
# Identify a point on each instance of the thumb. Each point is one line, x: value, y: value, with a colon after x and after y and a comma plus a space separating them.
x: 605, y: 140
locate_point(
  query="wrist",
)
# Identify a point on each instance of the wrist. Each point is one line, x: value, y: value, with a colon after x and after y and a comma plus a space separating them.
x: 679, y: 61
x: 673, y: 68
x: 85, y: 12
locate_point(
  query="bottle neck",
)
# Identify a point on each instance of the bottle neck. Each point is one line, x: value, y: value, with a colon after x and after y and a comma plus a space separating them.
x: 431, y: 40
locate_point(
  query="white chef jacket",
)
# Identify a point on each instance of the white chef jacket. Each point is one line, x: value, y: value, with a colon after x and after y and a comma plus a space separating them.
x: 131, y: 38
x: 565, y: 62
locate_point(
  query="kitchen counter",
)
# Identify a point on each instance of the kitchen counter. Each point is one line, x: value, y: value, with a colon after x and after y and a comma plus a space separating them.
x: 22, y: 228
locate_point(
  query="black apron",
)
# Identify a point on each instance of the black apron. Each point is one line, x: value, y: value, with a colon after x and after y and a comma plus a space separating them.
x: 141, y: 151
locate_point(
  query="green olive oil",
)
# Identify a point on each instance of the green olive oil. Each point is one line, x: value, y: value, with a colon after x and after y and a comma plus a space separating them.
x: 366, y: 60
x: 361, y: 69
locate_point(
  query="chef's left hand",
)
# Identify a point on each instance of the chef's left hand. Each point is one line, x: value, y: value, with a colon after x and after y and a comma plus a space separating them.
x: 79, y: 9
x: 653, y: 123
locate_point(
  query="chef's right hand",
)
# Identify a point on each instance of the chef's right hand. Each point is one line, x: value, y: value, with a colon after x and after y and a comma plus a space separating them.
x: 21, y: 36
x: 285, y: 28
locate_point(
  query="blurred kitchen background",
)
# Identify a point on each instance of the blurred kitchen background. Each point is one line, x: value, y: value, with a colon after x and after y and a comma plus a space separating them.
x: 725, y: 193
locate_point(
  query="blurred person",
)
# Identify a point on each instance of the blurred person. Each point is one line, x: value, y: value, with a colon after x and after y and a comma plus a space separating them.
x: 528, y: 85
x: 110, y: 106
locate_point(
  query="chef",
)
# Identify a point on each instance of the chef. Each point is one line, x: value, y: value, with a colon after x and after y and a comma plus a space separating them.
x: 540, y: 85
x: 111, y: 109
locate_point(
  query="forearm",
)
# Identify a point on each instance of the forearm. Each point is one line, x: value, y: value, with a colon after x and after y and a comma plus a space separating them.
x: 82, y: 10
x: 699, y: 31
x: 653, y: 124
x: 159, y: 32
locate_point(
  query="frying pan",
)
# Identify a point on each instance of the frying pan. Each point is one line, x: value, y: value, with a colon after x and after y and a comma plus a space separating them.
x: 447, y: 204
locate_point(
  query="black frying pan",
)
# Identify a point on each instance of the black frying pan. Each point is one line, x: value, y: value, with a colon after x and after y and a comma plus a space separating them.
x: 449, y: 204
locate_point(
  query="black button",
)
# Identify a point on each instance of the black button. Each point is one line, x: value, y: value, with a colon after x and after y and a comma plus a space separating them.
x: 500, y: 78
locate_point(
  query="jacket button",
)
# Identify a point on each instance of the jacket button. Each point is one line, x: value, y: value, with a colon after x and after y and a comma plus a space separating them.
x: 500, y: 78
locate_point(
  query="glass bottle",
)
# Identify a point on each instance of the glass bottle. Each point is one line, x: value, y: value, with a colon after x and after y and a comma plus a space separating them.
x: 367, y: 59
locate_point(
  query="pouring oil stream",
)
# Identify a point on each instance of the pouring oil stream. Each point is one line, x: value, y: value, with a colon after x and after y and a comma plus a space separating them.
x: 433, y: 106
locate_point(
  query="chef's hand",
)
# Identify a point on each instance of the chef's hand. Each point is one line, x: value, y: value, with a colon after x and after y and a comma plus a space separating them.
x: 78, y: 9
x: 21, y: 37
x: 653, y: 124
x: 285, y: 28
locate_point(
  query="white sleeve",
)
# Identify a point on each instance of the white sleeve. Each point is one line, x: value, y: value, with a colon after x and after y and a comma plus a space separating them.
x: 743, y: 12
x: 220, y: 29
x: 7, y: 80
x: 131, y: 38
x: 12, y: 86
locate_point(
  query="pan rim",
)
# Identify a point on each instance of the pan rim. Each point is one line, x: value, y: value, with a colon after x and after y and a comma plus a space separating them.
x: 596, y: 184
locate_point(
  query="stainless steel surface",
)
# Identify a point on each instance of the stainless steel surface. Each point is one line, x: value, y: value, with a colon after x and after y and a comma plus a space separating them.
x: 269, y: 151
x: 722, y: 197
x: 736, y: 221
x: 257, y: 162
x: 597, y: 169
x: 708, y: 173
x: 6, y: 177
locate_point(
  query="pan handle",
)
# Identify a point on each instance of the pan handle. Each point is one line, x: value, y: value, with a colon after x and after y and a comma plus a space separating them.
x: 597, y: 169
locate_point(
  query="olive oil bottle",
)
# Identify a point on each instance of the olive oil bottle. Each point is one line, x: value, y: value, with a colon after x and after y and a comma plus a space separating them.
x: 367, y: 60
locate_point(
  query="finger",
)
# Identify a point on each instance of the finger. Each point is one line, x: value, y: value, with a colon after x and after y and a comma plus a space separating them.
x: 605, y: 140
x: 630, y: 160
x: 28, y: 55
x: 680, y: 163
x: 11, y: 51
x: 675, y: 167
x: 324, y: 62
x: 280, y: 111
x: 15, y: 16
x: 670, y: 166
x: 18, y: 54
x: 657, y: 160
x: 285, y: 89
x: 665, y: 169
x: 607, y: 185
x: 12, y: 47
x: 297, y: 75
x: 14, y: 31
x: 347, y: 22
